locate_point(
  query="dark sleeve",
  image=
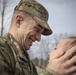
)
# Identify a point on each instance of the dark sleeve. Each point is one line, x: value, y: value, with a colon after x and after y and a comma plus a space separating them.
x: 3, y: 65
x: 6, y: 62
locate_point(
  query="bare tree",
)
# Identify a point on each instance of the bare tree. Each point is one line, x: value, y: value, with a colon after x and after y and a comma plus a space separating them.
x: 2, y: 14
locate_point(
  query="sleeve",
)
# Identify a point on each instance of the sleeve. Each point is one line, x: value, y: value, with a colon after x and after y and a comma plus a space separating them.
x: 5, y: 62
x: 2, y: 67
x: 46, y: 72
x: 50, y: 72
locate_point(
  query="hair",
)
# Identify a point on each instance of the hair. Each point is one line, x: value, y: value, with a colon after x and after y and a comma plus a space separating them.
x: 74, y: 40
x: 25, y: 15
x: 74, y: 37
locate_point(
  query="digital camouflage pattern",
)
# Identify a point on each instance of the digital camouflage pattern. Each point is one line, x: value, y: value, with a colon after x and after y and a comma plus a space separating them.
x: 13, y: 61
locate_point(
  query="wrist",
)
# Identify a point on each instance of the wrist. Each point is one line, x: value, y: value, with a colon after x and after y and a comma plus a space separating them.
x: 51, y: 72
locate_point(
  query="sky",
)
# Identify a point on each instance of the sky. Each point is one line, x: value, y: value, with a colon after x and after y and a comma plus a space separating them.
x: 62, y: 19
x: 62, y: 15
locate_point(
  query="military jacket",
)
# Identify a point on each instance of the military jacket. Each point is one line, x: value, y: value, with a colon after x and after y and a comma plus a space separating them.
x: 13, y: 61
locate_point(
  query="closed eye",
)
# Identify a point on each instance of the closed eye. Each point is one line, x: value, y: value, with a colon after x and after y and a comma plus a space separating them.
x: 36, y: 29
x: 55, y: 48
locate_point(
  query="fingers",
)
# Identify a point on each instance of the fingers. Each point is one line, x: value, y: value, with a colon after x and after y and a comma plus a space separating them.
x: 55, y: 54
x: 72, y: 70
x: 69, y: 53
x: 70, y: 63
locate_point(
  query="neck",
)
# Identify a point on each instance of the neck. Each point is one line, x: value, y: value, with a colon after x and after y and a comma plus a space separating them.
x: 13, y: 33
x: 17, y: 38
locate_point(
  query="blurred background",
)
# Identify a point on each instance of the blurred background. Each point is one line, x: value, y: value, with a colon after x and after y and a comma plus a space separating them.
x: 62, y: 20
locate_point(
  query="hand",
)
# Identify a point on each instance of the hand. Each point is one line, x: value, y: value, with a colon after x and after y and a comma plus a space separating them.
x: 63, y: 63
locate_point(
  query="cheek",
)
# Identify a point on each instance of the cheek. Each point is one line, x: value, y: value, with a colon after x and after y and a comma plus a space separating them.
x: 27, y: 38
x: 25, y: 42
x: 32, y: 34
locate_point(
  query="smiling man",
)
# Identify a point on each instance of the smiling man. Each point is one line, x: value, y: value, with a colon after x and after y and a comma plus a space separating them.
x: 28, y: 23
x: 27, y: 29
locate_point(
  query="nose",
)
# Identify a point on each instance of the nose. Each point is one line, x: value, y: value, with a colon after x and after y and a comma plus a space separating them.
x: 38, y: 37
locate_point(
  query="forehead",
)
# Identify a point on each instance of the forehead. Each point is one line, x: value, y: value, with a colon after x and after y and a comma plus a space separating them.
x: 34, y: 23
x: 40, y: 26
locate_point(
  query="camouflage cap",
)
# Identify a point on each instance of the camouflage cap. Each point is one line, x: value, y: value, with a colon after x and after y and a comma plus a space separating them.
x: 39, y: 13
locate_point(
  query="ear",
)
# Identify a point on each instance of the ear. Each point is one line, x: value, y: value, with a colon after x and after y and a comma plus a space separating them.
x: 19, y: 20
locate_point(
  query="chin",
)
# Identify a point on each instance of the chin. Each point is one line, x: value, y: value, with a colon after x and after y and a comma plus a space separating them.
x: 27, y: 48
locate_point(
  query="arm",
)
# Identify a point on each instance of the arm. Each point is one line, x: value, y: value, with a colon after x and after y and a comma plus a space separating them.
x: 64, y: 65
x: 5, y: 62
x: 2, y: 67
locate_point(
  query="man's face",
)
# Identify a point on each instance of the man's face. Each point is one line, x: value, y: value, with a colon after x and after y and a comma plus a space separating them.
x: 29, y: 32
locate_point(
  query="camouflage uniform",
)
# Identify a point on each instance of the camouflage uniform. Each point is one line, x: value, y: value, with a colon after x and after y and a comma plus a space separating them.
x: 13, y: 61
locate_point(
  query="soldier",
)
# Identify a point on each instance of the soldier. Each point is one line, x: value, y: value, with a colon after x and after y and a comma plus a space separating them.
x: 29, y: 21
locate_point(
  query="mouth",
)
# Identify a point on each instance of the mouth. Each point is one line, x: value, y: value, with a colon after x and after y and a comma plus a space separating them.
x: 31, y: 41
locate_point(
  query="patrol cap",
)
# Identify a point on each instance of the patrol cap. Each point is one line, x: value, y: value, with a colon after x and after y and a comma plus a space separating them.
x: 39, y: 13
